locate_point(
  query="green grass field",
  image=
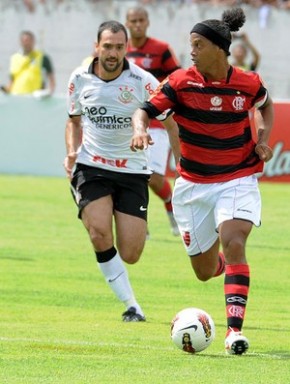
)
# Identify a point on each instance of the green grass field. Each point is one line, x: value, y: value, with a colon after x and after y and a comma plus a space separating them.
x: 60, y: 323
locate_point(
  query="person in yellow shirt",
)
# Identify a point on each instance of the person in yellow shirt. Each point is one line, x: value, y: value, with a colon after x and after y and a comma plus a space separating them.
x: 31, y: 70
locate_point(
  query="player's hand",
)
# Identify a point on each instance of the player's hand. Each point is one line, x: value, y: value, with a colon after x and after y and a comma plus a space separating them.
x: 141, y: 141
x: 69, y: 163
x: 264, y: 152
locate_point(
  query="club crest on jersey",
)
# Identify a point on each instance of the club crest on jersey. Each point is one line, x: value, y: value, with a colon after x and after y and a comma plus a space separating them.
x: 126, y: 95
x: 186, y: 238
x: 238, y: 103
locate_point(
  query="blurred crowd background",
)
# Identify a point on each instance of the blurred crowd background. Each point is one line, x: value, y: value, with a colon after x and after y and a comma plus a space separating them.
x: 30, y: 5
x: 66, y: 30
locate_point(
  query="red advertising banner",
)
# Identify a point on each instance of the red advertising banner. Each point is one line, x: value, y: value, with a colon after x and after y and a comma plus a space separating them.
x: 278, y: 168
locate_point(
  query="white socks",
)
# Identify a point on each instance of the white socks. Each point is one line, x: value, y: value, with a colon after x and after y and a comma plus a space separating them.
x: 116, y: 276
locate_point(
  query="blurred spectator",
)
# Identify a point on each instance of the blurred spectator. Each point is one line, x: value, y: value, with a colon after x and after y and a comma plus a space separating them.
x: 242, y: 46
x: 32, y: 5
x: 30, y: 69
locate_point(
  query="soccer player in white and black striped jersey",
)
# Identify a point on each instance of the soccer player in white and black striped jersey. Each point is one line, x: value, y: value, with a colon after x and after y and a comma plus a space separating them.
x: 110, y: 182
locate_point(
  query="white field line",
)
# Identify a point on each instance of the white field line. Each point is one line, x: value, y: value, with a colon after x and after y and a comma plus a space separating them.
x: 80, y: 343
x: 83, y: 343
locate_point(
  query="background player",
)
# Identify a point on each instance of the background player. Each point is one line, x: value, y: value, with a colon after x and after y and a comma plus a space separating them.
x: 158, y: 58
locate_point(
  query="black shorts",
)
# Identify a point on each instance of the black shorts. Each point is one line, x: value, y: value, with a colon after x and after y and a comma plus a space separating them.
x: 129, y: 191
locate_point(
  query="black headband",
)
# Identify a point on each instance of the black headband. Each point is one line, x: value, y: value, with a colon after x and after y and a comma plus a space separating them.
x: 212, y: 35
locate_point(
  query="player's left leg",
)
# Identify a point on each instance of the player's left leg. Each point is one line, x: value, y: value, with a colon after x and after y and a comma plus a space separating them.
x: 233, y: 235
x: 130, y: 213
x: 238, y: 208
x: 131, y: 236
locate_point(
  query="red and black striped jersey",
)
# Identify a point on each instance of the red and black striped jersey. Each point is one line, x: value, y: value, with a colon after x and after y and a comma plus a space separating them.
x: 156, y: 57
x: 213, y: 119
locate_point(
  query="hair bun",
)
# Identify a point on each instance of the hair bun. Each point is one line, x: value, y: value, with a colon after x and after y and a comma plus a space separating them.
x: 234, y: 18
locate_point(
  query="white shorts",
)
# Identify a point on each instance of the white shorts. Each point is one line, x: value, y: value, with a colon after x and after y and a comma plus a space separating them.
x: 159, y: 151
x: 199, y: 209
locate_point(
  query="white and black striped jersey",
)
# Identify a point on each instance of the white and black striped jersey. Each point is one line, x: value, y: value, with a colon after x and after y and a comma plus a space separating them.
x: 106, y: 108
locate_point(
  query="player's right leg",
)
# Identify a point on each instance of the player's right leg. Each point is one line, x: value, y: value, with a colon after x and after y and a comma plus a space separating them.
x: 194, y: 213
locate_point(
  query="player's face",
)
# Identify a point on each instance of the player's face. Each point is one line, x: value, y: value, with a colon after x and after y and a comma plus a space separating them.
x: 112, y: 50
x: 204, y: 54
x: 137, y: 23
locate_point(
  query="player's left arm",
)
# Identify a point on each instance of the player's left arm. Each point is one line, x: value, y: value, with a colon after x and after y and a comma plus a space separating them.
x: 264, y: 118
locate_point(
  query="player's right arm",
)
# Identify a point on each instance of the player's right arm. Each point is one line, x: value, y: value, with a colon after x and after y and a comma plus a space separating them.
x: 73, y: 138
x: 73, y: 128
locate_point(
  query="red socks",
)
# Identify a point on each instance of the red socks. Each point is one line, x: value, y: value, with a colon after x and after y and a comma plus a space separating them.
x: 236, y: 288
x: 165, y: 194
x: 221, y: 265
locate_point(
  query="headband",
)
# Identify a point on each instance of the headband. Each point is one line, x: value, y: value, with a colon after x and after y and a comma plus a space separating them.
x: 212, y: 35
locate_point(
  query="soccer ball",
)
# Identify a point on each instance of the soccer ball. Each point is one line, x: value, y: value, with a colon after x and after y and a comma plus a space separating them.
x: 192, y: 330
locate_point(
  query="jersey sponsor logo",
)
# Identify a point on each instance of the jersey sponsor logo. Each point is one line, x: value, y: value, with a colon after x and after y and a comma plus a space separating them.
x: 93, y: 111
x: 126, y: 95
x: 195, y: 84
x: 103, y: 121
x: 149, y: 88
x: 72, y: 107
x: 216, y: 102
x: 238, y: 103
x: 133, y: 74
x: 152, y: 93
x: 71, y: 88
x: 118, y: 163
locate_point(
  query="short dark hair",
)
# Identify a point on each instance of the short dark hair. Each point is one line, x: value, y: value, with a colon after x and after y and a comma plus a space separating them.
x: 137, y: 9
x: 113, y: 26
x: 27, y: 33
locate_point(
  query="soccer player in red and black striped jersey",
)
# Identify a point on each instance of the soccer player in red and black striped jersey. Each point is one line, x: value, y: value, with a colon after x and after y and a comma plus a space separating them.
x: 158, y: 58
x: 216, y: 199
